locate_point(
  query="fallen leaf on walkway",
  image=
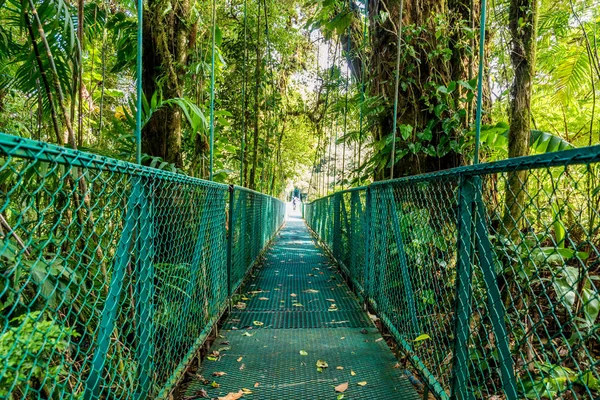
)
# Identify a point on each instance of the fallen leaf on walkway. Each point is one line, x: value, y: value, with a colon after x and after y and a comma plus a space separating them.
x: 342, y: 387
x: 214, y: 384
x: 256, y: 384
x: 202, y: 394
x: 322, y: 364
x: 379, y: 339
x: 340, y: 397
x: 263, y: 298
x: 422, y: 337
x: 352, y: 373
x: 233, y: 396
x: 246, y: 391
x: 242, y: 367
x: 339, y: 367
x: 363, y: 383
x: 297, y: 305
x: 247, y: 334
x: 311, y: 291
x: 303, y: 353
x: 293, y: 295
x: 219, y: 373
x: 240, y: 359
x: 258, y: 323
x: 211, y: 358
x: 331, y: 300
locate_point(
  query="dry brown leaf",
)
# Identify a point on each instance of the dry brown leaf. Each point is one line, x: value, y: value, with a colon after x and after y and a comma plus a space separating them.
x: 233, y: 396
x: 219, y: 373
x: 342, y: 387
x: 256, y: 384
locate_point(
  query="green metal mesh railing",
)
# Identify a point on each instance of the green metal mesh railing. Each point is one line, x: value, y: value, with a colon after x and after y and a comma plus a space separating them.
x: 113, y: 274
x: 487, y: 276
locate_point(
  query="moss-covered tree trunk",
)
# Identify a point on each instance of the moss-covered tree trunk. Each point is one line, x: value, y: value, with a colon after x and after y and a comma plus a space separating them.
x: 523, y: 28
x: 435, y: 52
x: 166, y: 50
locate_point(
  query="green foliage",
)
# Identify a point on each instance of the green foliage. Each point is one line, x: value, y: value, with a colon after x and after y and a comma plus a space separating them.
x: 33, y: 350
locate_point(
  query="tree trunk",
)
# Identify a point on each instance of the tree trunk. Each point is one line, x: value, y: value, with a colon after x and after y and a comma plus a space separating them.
x: 523, y: 28
x: 166, y: 49
x: 439, y: 24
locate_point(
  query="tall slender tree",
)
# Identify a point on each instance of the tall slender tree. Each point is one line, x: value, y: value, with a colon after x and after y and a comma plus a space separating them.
x: 523, y: 28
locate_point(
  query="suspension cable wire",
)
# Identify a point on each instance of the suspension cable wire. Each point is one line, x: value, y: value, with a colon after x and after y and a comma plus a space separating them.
x: 482, y: 24
x: 270, y: 113
x: 269, y: 110
x: 331, y: 131
x: 348, y: 59
x: 312, y: 172
x: 138, y: 112
x: 362, y: 88
x: 212, y: 90
x: 397, y: 85
x: 244, y: 83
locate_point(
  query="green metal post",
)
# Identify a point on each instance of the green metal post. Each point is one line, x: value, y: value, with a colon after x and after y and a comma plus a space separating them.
x: 337, y: 226
x: 145, y: 294
x: 462, y: 316
x: 230, y: 226
x: 495, y: 305
x: 352, y: 233
x: 369, y: 264
x: 109, y: 313
x: 408, y: 290
x: 197, y: 258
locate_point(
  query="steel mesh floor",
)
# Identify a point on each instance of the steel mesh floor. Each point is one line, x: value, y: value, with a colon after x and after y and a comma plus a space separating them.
x: 298, y: 302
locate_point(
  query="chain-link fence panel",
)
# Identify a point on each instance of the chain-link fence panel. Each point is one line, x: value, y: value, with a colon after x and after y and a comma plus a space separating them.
x: 487, y: 276
x: 111, y: 274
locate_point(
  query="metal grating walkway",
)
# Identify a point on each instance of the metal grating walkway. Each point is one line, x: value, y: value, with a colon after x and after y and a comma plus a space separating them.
x: 297, y: 310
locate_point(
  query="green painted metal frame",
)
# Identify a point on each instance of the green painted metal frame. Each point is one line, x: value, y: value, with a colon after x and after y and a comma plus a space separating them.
x: 136, y: 246
x: 473, y: 238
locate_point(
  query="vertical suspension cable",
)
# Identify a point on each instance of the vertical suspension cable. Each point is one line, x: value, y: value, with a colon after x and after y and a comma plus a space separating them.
x: 397, y: 85
x: 348, y: 59
x: 312, y: 172
x: 243, y: 148
x: 212, y: 90
x: 362, y: 86
x: 480, y: 81
x: 138, y: 113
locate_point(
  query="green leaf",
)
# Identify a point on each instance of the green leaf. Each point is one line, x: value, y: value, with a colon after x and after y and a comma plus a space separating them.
x: 422, y: 337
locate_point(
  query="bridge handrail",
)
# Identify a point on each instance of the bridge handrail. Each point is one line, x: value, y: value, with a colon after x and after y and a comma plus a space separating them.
x: 486, y: 275
x: 113, y: 274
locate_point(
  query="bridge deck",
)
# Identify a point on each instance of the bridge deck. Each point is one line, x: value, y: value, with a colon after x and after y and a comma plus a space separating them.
x: 296, y: 310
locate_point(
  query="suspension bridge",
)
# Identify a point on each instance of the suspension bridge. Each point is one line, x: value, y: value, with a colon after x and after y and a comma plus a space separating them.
x: 122, y: 281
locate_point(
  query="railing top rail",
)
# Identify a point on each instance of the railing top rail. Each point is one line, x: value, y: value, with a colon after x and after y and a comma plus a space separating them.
x: 583, y: 155
x: 244, y: 189
x: 355, y: 189
x: 16, y: 146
